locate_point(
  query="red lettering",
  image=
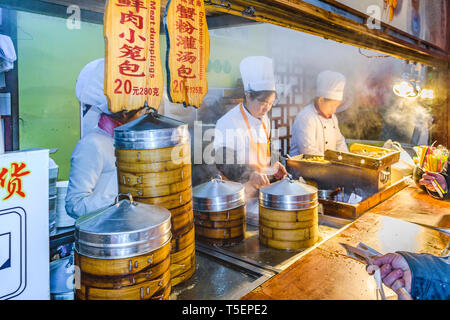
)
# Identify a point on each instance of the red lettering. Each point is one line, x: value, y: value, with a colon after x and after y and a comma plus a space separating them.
x: 128, y: 69
x: 137, y: 4
x: 187, y: 42
x: 186, y: 57
x: 15, y: 182
x: 134, y: 53
x: 185, y: 72
x: 186, y: 12
x: 135, y: 19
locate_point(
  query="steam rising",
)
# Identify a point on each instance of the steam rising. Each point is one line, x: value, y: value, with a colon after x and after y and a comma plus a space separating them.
x: 373, y: 112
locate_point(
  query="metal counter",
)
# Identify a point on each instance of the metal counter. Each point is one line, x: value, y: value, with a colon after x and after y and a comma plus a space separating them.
x: 229, y: 273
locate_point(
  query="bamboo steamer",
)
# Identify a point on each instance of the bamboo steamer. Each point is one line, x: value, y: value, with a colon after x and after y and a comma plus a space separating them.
x: 219, y: 212
x: 123, y: 253
x: 288, y: 215
x: 153, y: 161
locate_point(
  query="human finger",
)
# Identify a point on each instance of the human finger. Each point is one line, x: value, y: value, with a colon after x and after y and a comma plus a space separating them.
x: 392, y: 277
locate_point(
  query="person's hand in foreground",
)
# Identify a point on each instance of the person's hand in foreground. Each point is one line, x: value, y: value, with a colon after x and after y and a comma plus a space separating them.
x: 395, y: 271
x: 427, y: 179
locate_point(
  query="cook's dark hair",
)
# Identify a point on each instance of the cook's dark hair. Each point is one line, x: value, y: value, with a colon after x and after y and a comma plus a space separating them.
x: 259, y: 95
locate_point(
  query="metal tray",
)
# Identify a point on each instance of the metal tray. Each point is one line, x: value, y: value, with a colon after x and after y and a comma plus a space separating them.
x: 363, y: 161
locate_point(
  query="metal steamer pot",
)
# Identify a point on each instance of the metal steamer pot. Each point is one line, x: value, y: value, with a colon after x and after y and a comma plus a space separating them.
x: 288, y: 215
x: 219, y: 212
x: 288, y: 195
x: 153, y: 157
x: 125, y: 229
x: 151, y: 131
x: 218, y: 195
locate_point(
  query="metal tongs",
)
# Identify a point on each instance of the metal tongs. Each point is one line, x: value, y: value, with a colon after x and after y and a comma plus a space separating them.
x: 365, y: 254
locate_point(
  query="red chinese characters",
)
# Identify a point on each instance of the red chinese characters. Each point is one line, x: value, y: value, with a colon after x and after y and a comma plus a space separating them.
x: 186, y: 40
x: 136, y: 4
x: 134, y: 71
x: 188, y: 43
x: 11, y: 180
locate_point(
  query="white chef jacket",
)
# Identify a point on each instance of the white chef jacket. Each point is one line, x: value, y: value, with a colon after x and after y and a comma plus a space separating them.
x: 93, y: 176
x: 313, y: 134
x: 232, y: 132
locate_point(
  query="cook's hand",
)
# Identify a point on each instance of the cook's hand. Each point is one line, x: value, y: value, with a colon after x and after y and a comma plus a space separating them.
x: 395, y: 271
x: 258, y: 180
x: 279, y: 171
x: 428, y: 177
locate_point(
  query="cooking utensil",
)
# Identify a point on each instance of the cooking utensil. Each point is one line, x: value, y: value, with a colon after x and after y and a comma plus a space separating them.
x: 335, y: 195
x: 125, y: 229
x: 288, y: 195
x: 365, y: 254
x: 218, y: 195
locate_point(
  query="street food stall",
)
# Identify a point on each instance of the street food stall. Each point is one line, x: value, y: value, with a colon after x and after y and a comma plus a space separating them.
x: 178, y: 228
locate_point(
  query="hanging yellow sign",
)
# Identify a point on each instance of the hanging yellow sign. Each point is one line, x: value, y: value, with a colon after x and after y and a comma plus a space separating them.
x: 188, y: 51
x: 133, y: 69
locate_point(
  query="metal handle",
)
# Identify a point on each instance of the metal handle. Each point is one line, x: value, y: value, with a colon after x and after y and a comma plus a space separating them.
x: 289, y: 177
x: 384, y: 176
x: 218, y: 178
x: 124, y: 194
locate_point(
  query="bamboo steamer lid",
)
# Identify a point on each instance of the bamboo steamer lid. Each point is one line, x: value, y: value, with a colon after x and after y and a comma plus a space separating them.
x: 123, y: 230
x: 218, y: 195
x: 288, y: 195
x: 151, y: 131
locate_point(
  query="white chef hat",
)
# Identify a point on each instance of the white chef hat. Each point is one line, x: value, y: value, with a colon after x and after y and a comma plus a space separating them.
x: 257, y: 74
x: 90, y: 86
x: 331, y: 85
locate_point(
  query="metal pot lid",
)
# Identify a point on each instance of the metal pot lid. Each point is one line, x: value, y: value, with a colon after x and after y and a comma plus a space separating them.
x: 125, y: 229
x: 218, y: 195
x: 288, y: 195
x: 151, y: 131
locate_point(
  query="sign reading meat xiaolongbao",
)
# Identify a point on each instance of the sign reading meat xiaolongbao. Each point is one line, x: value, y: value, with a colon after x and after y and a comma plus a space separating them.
x: 188, y: 51
x: 133, y: 70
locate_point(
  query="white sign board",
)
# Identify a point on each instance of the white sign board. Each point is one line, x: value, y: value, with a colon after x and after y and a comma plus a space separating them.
x: 24, y: 225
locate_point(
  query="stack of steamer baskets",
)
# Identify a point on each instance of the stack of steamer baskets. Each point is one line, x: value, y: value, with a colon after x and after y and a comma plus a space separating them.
x: 219, y: 212
x: 123, y: 253
x: 153, y: 156
x: 288, y: 215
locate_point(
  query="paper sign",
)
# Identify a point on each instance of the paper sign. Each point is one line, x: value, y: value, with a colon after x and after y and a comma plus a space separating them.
x: 187, y: 51
x: 133, y: 70
x: 24, y: 225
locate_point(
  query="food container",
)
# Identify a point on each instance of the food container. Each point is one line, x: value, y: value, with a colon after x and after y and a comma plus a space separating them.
x: 62, y: 279
x: 52, y: 214
x: 154, y: 165
x: 219, y: 212
x: 52, y: 176
x: 63, y: 220
x: 123, y: 252
x: 288, y: 215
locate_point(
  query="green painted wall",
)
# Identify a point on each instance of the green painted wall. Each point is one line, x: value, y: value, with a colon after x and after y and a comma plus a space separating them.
x: 229, y: 46
x: 50, y: 59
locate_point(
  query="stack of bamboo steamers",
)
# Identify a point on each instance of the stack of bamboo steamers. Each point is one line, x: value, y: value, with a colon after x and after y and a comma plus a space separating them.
x: 154, y: 166
x: 288, y: 215
x: 219, y: 212
x: 123, y: 253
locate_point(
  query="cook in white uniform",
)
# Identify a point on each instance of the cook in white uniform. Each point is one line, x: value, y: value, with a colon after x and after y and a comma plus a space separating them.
x: 242, y: 136
x: 315, y: 128
x: 93, y: 173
